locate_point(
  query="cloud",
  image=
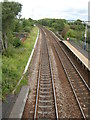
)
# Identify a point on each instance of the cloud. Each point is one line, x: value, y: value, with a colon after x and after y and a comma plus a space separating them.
x: 70, y: 9
x: 72, y: 13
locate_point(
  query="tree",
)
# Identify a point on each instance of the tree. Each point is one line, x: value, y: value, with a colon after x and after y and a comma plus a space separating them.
x: 71, y: 34
x: 58, y: 25
x: 65, y: 30
x: 17, y: 25
x: 9, y: 11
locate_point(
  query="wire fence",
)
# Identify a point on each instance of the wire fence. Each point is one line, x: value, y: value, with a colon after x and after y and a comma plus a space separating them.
x: 81, y: 44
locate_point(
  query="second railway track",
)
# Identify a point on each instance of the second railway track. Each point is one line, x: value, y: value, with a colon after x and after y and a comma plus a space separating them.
x: 79, y: 86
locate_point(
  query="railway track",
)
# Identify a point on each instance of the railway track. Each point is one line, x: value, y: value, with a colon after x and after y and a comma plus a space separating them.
x: 45, y: 106
x: 77, y: 83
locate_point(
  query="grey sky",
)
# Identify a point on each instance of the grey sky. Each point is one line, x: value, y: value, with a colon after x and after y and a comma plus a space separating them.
x: 68, y: 9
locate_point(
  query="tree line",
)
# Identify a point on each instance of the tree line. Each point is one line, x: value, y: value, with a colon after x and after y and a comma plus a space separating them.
x: 12, y: 22
x: 65, y: 28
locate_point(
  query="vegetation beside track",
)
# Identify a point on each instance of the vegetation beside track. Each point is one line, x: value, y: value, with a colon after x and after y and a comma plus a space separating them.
x: 65, y: 28
x: 74, y: 30
x: 18, y: 37
x: 14, y: 63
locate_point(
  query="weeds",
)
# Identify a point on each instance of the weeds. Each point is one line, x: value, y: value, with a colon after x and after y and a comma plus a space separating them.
x: 14, y: 63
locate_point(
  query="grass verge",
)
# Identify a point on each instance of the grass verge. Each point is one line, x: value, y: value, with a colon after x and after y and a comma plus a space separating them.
x: 14, y: 64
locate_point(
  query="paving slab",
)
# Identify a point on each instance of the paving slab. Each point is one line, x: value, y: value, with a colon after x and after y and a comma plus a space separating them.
x: 79, y: 54
x: 80, y: 49
x: 18, y: 107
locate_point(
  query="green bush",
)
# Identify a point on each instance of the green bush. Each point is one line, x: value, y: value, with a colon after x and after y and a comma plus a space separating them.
x: 9, y: 52
x: 70, y: 33
x: 27, y: 29
x: 17, y: 42
x: 65, y: 30
x: 10, y: 36
x: 14, y: 62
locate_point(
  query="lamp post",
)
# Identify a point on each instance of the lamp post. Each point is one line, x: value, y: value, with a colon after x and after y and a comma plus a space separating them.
x: 85, y: 37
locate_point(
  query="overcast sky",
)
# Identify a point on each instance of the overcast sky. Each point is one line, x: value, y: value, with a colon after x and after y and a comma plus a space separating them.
x: 68, y: 9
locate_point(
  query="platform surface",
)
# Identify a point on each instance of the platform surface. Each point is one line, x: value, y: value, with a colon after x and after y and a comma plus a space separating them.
x: 19, y: 105
x: 82, y: 56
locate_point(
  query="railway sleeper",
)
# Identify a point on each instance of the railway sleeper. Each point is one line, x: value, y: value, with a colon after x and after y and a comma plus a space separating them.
x: 45, y: 82
x: 45, y: 92
x: 47, y: 101
x: 46, y: 96
x: 45, y: 89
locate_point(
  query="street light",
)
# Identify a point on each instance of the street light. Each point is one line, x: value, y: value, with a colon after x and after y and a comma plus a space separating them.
x: 85, y: 37
x: 87, y: 23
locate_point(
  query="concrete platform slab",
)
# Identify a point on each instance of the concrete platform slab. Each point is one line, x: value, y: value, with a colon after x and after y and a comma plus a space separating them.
x: 79, y: 55
x: 18, y: 108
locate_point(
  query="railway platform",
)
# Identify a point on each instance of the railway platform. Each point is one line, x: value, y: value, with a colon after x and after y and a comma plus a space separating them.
x: 80, y: 53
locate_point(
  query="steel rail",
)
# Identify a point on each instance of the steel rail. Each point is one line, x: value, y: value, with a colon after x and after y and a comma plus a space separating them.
x: 75, y: 69
x: 81, y: 109
x: 71, y: 85
x: 35, y: 113
x: 73, y: 64
x: 54, y: 94
x: 52, y: 78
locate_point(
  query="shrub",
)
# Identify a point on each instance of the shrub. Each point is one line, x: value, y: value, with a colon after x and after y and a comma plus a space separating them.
x: 65, y: 30
x: 17, y: 42
x: 27, y: 29
x: 70, y: 33
x: 9, y: 52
